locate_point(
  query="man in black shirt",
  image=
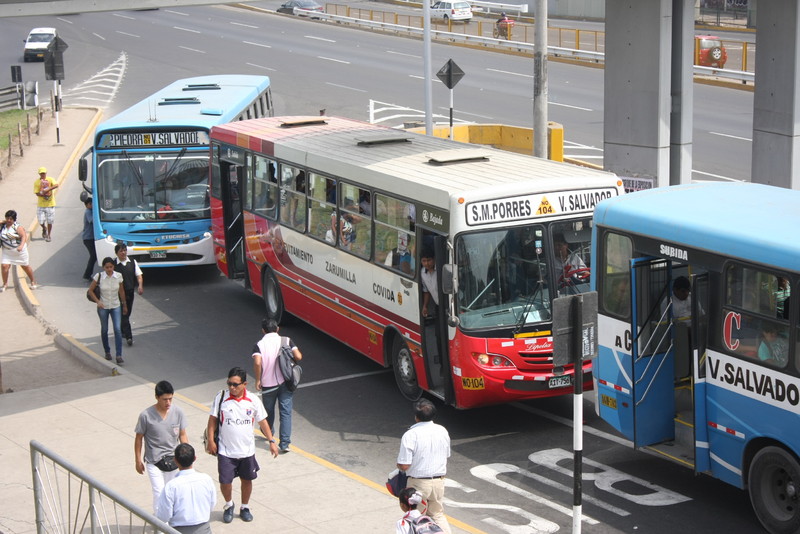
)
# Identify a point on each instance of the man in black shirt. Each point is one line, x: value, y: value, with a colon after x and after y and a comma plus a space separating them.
x: 132, y: 281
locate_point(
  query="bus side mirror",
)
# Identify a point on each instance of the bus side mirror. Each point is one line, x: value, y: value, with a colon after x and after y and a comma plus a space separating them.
x: 448, y: 286
x: 83, y: 170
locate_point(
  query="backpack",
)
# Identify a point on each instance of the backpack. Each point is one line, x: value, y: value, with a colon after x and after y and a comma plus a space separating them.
x: 290, y: 370
x: 424, y: 525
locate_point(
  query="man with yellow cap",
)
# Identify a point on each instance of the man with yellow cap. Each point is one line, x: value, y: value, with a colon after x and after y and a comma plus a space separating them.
x: 44, y: 188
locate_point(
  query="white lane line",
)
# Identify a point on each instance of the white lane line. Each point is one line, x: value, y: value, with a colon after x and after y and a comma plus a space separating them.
x: 340, y: 378
x: 568, y: 106
x: 345, y: 87
x: 568, y: 422
x: 334, y: 60
x: 244, y: 25
x: 718, y: 176
x: 185, y: 29
x: 257, y: 44
x: 422, y: 78
x: 731, y: 136
x: 403, y: 54
x: 123, y: 16
x: 130, y: 34
x: 65, y: 20
x: 176, y: 12
x: 260, y: 66
x: 465, y: 113
x: 99, y: 36
x: 511, y: 73
x: 192, y: 49
x: 319, y: 38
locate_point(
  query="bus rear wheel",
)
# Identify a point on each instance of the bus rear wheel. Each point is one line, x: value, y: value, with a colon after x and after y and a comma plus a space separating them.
x: 272, y: 296
x: 404, y: 373
x: 774, y: 486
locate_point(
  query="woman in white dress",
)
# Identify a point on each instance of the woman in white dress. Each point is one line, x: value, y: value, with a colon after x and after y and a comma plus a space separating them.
x: 14, y: 241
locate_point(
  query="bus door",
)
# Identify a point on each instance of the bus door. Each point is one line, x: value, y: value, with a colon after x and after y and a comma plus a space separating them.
x: 699, y: 344
x: 435, y: 332
x: 231, y: 181
x: 652, y: 358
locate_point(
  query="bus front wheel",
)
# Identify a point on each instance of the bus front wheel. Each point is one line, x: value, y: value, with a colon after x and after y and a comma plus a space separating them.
x: 272, y: 296
x: 404, y: 373
x: 774, y: 486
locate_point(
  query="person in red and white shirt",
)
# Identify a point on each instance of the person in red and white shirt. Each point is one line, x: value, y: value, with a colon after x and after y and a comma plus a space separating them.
x: 236, y: 412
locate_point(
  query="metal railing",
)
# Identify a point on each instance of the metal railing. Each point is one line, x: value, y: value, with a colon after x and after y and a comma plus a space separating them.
x: 9, y: 98
x: 68, y: 499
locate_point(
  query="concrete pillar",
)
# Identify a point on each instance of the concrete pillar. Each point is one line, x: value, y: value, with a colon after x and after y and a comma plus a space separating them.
x: 636, y: 139
x: 681, y: 115
x: 776, y: 103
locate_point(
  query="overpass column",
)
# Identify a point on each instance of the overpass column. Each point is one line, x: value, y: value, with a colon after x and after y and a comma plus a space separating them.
x: 776, y: 103
x: 636, y: 138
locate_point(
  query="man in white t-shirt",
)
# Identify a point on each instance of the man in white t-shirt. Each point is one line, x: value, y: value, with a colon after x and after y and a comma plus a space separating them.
x: 236, y: 455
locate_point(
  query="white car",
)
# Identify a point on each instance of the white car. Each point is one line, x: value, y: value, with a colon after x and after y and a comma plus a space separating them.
x: 448, y: 10
x: 37, y: 42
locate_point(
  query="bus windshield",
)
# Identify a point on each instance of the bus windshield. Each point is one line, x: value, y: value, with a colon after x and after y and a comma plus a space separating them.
x: 152, y: 186
x: 504, y: 275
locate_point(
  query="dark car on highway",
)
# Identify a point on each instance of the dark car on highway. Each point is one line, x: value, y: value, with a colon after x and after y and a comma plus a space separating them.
x: 301, y: 8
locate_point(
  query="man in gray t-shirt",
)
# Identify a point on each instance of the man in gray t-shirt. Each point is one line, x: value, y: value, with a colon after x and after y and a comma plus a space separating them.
x: 160, y: 428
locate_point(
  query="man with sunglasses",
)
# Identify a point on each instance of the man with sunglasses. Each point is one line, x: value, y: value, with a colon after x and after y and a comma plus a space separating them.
x: 236, y: 413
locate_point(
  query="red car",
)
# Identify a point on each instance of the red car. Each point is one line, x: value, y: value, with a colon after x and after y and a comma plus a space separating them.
x: 709, y: 52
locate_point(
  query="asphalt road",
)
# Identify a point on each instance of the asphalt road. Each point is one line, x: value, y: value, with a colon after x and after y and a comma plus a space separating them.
x: 511, y: 464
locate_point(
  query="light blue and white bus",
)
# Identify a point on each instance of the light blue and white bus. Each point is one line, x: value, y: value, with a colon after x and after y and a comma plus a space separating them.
x: 149, y: 168
x: 716, y: 385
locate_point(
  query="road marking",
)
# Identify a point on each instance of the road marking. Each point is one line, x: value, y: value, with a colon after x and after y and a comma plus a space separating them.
x: 422, y: 78
x: 568, y: 422
x: 345, y: 87
x: 185, y: 29
x: 130, y: 34
x: 101, y: 88
x: 465, y: 113
x: 257, y: 44
x: 123, y: 16
x: 242, y: 24
x: 319, y: 38
x: 568, y: 106
x: 99, y: 36
x: 341, y: 378
x: 177, y: 13
x: 260, y: 67
x: 65, y: 20
x: 334, y: 60
x: 731, y: 136
x: 192, y: 49
x: 403, y: 54
x: 511, y: 73
x: 719, y: 176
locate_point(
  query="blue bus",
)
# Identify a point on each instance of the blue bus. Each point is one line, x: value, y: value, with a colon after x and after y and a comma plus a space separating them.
x: 699, y: 347
x: 149, y: 168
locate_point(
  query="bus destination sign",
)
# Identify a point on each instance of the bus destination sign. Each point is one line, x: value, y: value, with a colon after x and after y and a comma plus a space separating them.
x: 534, y: 206
x: 153, y: 139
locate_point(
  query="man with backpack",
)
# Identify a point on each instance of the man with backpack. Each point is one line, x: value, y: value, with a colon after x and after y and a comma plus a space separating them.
x: 270, y: 380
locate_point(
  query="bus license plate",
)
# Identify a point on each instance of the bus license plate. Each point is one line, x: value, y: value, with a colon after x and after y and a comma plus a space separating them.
x: 158, y: 254
x: 611, y: 402
x: 560, y: 381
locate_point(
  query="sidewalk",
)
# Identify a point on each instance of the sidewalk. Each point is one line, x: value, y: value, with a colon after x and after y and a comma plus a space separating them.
x: 74, y: 402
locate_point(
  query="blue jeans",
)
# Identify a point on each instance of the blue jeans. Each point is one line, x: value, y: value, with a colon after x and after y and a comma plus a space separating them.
x: 116, y: 320
x: 284, y: 398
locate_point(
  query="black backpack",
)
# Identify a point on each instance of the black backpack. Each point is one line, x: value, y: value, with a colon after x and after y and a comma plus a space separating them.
x: 290, y: 370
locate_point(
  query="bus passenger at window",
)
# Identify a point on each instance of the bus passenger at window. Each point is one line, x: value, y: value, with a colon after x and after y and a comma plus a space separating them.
x: 681, y: 301
x: 773, y: 348
x: 781, y: 297
x: 365, y: 204
x: 400, y: 257
x: 619, y: 300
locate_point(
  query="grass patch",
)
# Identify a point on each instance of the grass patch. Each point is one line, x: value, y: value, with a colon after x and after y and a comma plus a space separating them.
x: 9, y: 121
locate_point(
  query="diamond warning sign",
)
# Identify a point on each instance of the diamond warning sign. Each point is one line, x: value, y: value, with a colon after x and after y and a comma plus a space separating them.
x: 545, y: 208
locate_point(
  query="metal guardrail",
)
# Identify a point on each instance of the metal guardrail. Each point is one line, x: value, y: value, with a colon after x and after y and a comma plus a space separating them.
x: 489, y: 6
x: 67, y: 499
x: 9, y: 98
x: 519, y: 46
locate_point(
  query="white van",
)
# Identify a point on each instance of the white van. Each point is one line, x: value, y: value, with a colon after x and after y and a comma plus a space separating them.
x: 452, y: 10
x: 37, y: 42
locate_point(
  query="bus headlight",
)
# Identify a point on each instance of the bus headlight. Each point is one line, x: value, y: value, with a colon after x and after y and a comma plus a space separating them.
x: 110, y: 239
x: 492, y: 360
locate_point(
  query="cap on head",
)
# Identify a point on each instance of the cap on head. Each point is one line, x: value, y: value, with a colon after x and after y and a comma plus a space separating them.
x: 42, y: 170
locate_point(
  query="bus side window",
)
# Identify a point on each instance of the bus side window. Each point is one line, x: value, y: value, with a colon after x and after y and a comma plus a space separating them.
x: 616, y: 275
x: 355, y: 228
x: 319, y: 209
x: 394, y: 237
x: 265, y: 188
x: 293, y: 197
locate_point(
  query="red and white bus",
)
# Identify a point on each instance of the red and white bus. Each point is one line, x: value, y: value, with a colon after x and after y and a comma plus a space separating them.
x: 327, y: 218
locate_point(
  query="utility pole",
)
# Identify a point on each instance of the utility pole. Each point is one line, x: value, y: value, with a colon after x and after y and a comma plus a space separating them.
x: 540, y: 148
